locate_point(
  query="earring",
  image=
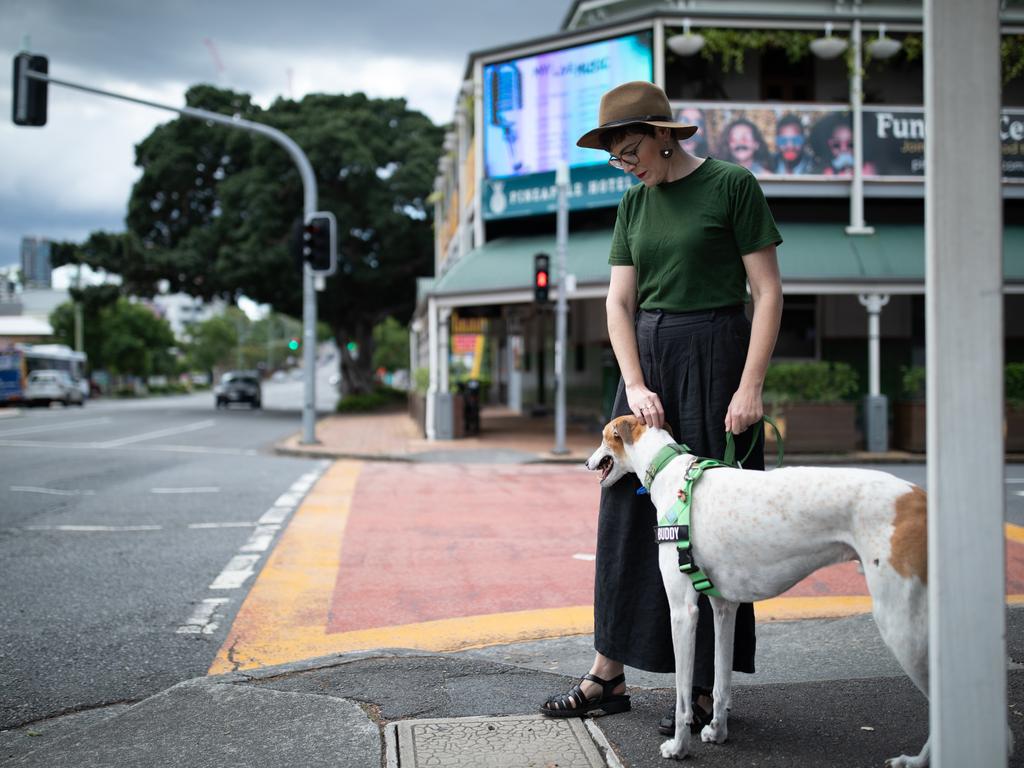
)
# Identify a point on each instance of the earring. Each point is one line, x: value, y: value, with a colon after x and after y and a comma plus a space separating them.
x: 666, y: 152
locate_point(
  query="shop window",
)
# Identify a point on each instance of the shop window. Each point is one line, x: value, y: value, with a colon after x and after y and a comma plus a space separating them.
x: 798, y: 331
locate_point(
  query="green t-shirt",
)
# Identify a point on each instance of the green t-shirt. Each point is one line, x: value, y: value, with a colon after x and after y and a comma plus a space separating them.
x: 687, y: 238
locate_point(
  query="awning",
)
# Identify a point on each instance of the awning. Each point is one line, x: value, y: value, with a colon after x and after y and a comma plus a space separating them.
x: 814, y: 258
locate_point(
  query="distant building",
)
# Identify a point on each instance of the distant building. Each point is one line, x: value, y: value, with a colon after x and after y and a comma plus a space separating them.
x: 181, y: 310
x: 35, y: 262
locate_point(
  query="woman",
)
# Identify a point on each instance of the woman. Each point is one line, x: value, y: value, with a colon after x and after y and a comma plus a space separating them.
x: 686, y: 241
x: 743, y: 144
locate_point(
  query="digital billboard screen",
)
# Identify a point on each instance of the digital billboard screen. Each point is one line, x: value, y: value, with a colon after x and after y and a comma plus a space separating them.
x: 537, y: 106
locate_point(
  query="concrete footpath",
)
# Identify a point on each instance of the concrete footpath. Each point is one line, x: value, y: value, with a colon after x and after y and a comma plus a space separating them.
x: 828, y: 695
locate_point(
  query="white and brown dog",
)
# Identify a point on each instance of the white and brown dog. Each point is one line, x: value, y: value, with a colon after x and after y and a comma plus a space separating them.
x: 756, y: 534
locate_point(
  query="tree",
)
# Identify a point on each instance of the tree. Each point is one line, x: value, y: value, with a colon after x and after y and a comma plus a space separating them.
x: 121, y: 337
x: 391, y: 345
x: 212, y: 342
x: 215, y: 210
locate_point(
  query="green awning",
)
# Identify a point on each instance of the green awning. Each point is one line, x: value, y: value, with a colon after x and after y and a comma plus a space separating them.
x: 810, y: 253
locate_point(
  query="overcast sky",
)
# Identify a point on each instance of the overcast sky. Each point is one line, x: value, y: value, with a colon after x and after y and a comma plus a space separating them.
x: 75, y: 174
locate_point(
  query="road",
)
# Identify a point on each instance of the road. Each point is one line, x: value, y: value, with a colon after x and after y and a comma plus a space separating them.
x: 133, y: 555
x: 129, y: 531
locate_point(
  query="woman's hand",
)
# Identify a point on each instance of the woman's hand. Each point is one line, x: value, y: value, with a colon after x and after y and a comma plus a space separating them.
x: 745, y: 408
x: 645, y: 405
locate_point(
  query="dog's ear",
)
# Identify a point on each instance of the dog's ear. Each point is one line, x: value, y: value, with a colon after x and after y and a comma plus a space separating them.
x: 629, y: 429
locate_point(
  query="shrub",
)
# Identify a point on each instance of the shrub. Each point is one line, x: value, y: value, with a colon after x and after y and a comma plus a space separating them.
x: 913, y: 380
x: 1013, y: 381
x: 382, y: 398
x: 815, y: 382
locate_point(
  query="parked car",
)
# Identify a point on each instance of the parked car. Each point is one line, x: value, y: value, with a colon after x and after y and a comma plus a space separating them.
x: 45, y: 386
x: 238, y: 387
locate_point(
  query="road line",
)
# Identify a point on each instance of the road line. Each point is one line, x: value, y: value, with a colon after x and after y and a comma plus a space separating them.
x: 197, y: 489
x: 50, y: 491
x: 54, y: 427
x: 286, y: 609
x: 1019, y: 493
x: 235, y: 573
x: 193, y: 427
x: 201, y: 622
x: 222, y: 525
x: 92, y: 528
x: 288, y: 499
x: 260, y: 539
x: 275, y: 515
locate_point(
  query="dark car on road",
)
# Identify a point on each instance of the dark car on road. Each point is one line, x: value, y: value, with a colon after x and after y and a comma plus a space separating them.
x: 238, y: 387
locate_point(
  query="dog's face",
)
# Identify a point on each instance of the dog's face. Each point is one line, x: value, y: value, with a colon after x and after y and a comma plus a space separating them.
x: 611, y: 457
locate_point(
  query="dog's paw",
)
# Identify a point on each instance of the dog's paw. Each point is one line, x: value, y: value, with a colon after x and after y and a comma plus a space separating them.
x: 714, y: 731
x: 674, y: 749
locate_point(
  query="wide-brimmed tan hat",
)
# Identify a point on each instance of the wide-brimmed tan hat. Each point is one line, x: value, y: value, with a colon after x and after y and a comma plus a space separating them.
x: 631, y: 103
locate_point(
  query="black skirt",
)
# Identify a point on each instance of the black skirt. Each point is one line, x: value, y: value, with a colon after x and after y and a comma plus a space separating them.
x: 693, y: 361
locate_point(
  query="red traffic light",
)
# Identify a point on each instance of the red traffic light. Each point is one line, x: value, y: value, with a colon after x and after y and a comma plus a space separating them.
x: 542, y: 279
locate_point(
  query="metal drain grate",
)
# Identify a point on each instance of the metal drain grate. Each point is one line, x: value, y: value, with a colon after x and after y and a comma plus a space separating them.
x: 522, y: 741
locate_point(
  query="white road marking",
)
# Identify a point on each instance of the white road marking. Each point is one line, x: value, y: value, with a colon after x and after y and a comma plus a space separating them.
x: 101, y: 446
x: 275, y: 515
x: 288, y: 500
x: 1019, y: 493
x: 583, y: 556
x: 54, y: 427
x: 238, y: 569
x: 193, y: 427
x: 93, y: 528
x: 50, y: 491
x: 197, y: 489
x: 201, y: 621
x: 260, y: 539
x: 222, y: 525
x: 1015, y: 480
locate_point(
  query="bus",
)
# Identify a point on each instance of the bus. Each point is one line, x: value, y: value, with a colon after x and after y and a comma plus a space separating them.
x: 19, y: 360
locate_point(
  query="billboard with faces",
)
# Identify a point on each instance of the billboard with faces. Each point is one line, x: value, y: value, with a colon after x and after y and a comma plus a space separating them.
x: 816, y: 142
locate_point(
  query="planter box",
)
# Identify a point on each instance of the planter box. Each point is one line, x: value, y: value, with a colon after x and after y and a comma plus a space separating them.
x: 908, y: 426
x: 418, y: 411
x: 1014, y: 430
x: 816, y: 427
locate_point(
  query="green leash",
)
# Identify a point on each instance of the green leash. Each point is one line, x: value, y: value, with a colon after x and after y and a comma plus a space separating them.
x: 674, y: 525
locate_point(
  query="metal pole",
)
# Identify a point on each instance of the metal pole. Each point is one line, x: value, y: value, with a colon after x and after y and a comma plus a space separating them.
x: 309, y: 208
x: 79, y: 319
x: 562, y: 305
x: 857, y: 226
x: 964, y: 347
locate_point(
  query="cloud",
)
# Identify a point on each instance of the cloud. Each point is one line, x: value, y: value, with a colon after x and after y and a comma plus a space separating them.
x: 75, y: 175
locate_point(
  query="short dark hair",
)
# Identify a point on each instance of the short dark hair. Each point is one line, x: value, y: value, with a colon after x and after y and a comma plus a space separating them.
x: 789, y: 119
x: 614, y: 135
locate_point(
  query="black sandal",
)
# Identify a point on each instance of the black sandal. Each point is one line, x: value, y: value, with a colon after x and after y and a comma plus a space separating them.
x: 575, y: 704
x: 701, y: 716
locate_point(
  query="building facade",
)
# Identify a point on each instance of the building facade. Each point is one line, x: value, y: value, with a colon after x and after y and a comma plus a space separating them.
x: 822, y: 101
x: 35, y: 262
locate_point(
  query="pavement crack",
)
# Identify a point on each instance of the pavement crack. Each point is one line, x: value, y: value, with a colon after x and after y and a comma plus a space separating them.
x: 235, y: 663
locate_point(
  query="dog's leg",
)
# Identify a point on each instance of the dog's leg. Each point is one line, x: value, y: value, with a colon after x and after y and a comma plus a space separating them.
x: 900, y: 609
x: 725, y: 635
x: 682, y: 600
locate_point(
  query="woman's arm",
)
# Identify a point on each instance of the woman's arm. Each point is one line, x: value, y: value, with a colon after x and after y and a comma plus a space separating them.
x: 746, y: 406
x: 621, y: 308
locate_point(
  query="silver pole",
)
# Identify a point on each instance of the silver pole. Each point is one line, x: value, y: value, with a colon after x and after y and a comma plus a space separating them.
x: 308, y: 208
x: 79, y: 319
x: 857, y: 225
x: 964, y: 349
x: 562, y: 305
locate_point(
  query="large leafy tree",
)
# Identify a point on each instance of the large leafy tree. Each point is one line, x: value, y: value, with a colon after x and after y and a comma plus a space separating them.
x: 215, y: 210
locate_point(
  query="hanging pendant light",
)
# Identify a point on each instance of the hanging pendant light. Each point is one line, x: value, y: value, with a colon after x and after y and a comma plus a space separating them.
x: 686, y: 44
x: 828, y: 47
x: 883, y: 47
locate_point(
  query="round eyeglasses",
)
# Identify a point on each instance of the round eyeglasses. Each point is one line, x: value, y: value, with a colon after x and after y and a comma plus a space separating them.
x: 629, y: 157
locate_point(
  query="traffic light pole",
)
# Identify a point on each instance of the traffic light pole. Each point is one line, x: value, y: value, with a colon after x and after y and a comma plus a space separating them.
x: 562, y: 305
x: 309, y: 208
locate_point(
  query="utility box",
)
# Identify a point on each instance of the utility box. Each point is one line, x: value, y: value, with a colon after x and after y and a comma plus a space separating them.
x: 876, y: 423
x: 444, y: 416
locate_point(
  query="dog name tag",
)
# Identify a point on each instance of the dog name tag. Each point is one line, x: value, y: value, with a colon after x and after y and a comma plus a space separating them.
x: 671, y: 532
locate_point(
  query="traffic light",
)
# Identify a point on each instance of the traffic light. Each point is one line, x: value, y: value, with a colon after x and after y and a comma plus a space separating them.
x: 318, y: 242
x: 293, y: 345
x: 541, y: 276
x: 28, y: 107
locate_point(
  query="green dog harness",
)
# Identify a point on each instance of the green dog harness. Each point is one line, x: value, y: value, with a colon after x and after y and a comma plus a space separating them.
x: 674, y: 525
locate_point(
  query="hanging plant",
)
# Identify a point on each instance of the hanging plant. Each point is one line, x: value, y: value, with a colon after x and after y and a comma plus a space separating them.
x: 1011, y: 51
x: 732, y: 44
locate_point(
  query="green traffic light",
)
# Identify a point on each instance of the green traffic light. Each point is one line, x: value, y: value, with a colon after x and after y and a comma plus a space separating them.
x: 293, y: 344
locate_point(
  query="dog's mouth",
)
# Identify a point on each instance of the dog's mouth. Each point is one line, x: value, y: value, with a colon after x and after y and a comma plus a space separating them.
x: 605, y: 466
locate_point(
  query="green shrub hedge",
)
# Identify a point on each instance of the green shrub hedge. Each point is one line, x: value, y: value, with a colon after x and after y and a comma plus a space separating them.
x: 814, y: 382
x: 382, y: 398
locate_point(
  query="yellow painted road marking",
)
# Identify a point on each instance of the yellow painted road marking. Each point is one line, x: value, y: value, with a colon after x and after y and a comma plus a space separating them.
x: 285, y: 616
